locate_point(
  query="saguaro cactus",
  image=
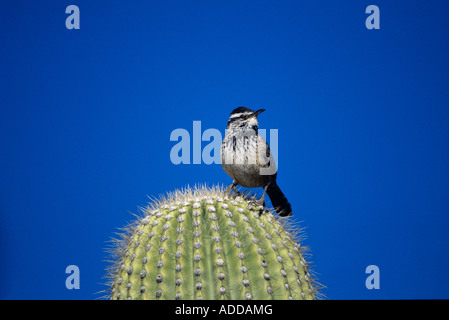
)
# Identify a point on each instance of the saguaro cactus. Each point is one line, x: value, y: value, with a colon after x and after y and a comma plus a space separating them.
x: 207, y: 244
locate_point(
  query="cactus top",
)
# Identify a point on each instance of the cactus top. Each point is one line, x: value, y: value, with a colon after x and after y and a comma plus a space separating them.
x: 206, y: 244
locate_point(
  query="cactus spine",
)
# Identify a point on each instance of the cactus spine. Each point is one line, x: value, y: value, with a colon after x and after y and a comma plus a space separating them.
x: 206, y: 244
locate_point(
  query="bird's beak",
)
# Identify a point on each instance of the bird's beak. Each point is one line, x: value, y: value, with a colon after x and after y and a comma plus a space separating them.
x: 258, y: 112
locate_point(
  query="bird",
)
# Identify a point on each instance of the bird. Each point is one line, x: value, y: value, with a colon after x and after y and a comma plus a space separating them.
x: 247, y: 159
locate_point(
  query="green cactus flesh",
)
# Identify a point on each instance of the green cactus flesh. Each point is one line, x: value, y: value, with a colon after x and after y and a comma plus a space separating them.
x: 207, y: 244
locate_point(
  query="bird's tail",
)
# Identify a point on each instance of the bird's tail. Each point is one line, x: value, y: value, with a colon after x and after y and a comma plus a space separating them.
x: 278, y: 200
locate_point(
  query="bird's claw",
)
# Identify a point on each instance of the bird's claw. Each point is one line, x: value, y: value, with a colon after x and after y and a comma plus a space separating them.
x: 258, y: 202
x: 232, y: 188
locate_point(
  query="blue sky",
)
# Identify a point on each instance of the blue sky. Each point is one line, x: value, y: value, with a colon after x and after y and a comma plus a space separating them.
x: 363, y: 115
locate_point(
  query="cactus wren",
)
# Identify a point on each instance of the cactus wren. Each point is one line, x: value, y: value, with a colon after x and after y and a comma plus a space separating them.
x: 246, y: 158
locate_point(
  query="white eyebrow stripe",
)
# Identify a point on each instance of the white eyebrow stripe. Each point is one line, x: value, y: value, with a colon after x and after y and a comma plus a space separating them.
x: 237, y: 115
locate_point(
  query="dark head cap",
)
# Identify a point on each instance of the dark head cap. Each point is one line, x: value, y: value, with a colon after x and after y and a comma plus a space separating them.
x: 244, y: 113
x: 242, y: 110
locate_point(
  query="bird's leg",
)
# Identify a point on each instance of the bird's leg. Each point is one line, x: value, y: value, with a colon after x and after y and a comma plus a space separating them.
x: 232, y: 187
x: 261, y: 200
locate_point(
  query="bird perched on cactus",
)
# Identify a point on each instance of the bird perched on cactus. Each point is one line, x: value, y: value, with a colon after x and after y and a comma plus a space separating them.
x: 247, y: 159
x: 208, y: 244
